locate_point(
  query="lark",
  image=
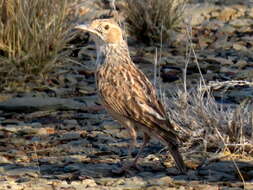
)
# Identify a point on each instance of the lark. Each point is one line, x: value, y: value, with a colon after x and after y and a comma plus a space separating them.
x: 126, y: 93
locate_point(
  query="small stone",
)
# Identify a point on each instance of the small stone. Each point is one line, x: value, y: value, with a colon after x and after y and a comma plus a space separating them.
x: 112, y: 182
x: 248, y: 186
x: 192, y: 175
x: 239, y: 47
x: 160, y: 181
x: 198, y: 12
x: 218, y: 60
x: 33, y: 172
x: 226, y: 167
x: 35, y: 124
x: 87, y: 90
x: 227, y: 29
x: 87, y: 183
x: 96, y: 170
x: 46, y: 131
x: 31, y: 104
x: 145, y: 174
x: 213, y: 24
x: 154, y: 188
x: 11, y: 122
x: 172, y: 171
x: 182, y: 178
x: 241, y: 9
x: 222, y: 43
x: 207, y: 187
x: 72, y: 167
x: 135, y: 183
x: 241, y: 64
x: 4, y: 160
x: 241, y: 22
x: 214, y: 14
x: 110, y: 125
x: 227, y: 14
x: 23, y: 179
x: 70, y: 122
x: 250, y: 12
x: 71, y: 136
x: 213, y: 175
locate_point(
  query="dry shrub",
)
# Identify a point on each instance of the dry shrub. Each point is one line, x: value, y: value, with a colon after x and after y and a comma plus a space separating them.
x: 32, y: 32
x: 152, y: 20
x: 209, y: 125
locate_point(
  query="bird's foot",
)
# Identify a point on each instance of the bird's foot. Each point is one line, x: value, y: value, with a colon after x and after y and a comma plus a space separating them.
x: 128, y: 168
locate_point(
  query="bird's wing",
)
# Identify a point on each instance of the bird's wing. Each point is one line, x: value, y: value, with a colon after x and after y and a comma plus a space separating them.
x: 125, y: 90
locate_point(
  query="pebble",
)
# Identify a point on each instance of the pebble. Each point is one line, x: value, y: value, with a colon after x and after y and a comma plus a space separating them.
x: 71, y: 136
x: 134, y: 183
x: 227, y: 29
x: 32, y: 172
x: 160, y: 180
x: 70, y: 122
x: 4, y: 160
x: 248, y: 185
x: 239, y: 47
x: 108, y: 181
x: 237, y: 23
x: 85, y: 183
x: 172, y: 171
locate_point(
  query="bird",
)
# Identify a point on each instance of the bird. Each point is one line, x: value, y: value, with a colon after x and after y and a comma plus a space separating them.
x: 127, y: 94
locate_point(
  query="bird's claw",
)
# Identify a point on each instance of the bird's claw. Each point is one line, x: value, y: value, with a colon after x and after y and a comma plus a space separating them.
x: 128, y: 168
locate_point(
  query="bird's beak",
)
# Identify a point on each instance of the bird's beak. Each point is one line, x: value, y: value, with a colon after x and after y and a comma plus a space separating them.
x: 86, y: 28
x: 91, y: 29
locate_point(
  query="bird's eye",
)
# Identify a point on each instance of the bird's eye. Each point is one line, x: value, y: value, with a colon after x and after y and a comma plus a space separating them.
x: 106, y: 27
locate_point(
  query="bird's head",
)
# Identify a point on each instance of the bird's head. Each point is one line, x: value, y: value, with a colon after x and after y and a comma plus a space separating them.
x: 103, y: 31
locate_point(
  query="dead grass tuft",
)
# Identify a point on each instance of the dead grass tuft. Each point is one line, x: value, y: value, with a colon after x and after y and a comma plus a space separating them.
x: 152, y: 20
x: 32, y: 33
x: 209, y: 125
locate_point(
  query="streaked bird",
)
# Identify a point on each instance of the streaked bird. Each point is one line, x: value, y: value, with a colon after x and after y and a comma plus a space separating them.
x: 126, y: 93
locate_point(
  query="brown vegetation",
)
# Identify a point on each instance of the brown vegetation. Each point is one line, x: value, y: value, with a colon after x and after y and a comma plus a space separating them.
x: 152, y: 20
x: 31, y: 35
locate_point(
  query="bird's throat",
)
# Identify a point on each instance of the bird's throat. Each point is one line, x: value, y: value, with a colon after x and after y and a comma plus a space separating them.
x: 111, y: 53
x: 101, y: 55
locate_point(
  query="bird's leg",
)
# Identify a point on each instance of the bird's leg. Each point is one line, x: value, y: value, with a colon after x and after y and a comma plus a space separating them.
x: 133, y: 164
x: 127, y: 166
x: 133, y: 135
x: 146, y: 139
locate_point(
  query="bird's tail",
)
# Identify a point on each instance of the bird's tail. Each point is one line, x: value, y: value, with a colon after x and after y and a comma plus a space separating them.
x: 170, y: 138
x: 178, y: 158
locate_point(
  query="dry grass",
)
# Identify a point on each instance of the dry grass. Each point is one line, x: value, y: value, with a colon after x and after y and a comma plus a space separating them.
x: 152, y: 20
x: 214, y: 126
x: 205, y: 124
x: 32, y: 33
